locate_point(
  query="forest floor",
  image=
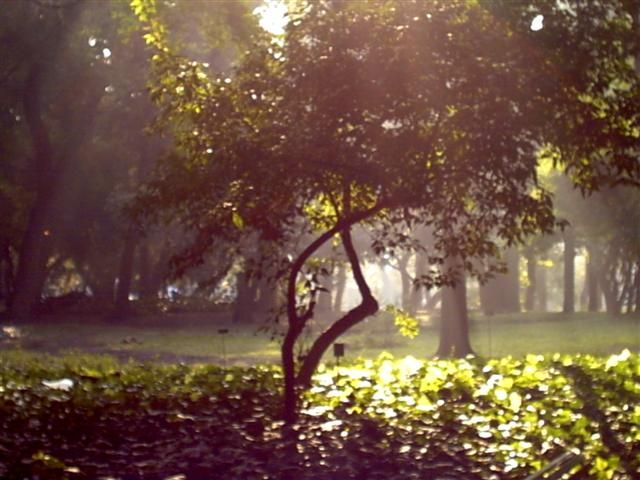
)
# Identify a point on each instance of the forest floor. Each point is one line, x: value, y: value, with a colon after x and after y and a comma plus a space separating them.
x: 212, y: 338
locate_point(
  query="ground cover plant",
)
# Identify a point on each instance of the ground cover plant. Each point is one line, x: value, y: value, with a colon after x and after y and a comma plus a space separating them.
x: 92, y: 417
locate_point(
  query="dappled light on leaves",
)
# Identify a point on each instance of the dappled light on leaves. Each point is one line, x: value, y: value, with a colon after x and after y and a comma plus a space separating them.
x: 273, y: 16
x: 384, y: 418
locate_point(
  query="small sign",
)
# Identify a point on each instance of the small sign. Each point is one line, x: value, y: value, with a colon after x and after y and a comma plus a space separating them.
x: 338, y: 349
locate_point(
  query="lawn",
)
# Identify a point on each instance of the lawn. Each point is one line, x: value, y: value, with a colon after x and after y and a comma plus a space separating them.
x: 193, y: 338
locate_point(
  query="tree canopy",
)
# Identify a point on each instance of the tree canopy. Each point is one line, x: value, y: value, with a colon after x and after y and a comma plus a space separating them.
x: 393, y: 115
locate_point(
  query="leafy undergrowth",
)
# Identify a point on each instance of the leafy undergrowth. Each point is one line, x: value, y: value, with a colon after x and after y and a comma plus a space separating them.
x: 89, y: 417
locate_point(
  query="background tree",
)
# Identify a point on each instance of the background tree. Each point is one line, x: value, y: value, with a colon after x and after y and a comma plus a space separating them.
x: 501, y: 293
x: 40, y: 40
x: 61, y: 133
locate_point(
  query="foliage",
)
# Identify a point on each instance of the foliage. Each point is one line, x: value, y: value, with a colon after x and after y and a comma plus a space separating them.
x: 408, y: 325
x: 380, y: 419
x: 329, y: 118
x: 395, y: 116
x: 73, y: 107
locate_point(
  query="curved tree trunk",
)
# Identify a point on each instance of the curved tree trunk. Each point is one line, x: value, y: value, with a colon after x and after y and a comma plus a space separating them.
x: 367, y: 307
x: 298, y: 317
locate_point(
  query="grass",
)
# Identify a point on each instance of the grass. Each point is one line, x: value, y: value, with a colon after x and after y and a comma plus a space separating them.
x: 596, y: 334
x: 199, y: 338
x: 512, y: 334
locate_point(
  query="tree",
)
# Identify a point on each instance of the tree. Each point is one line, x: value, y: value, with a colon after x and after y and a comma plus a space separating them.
x: 384, y: 115
x: 32, y: 71
x: 454, y: 317
x: 568, y: 304
x: 607, y: 225
x: 74, y: 108
x: 501, y: 294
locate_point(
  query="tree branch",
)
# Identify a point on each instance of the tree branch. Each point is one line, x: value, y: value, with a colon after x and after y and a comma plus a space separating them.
x: 341, y: 225
x: 367, y: 307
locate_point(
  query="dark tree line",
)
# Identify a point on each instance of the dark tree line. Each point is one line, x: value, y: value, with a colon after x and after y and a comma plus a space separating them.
x: 75, y: 148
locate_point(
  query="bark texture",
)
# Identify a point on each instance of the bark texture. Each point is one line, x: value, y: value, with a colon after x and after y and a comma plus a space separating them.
x: 454, y: 318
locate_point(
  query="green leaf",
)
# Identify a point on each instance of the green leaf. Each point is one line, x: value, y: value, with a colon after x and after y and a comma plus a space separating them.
x: 408, y: 326
x: 237, y: 220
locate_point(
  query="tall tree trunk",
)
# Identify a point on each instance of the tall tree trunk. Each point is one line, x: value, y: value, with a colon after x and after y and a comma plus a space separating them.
x: 512, y: 282
x: 267, y: 298
x: 50, y: 168
x: 612, y: 305
x: 541, y: 288
x: 36, y: 243
x: 125, y: 273
x: 418, y: 294
x: 628, y: 291
x: 501, y: 294
x: 158, y: 271
x: 341, y: 285
x: 530, y: 297
x: 610, y: 288
x: 568, y: 304
x: 6, y: 274
x: 591, y: 279
x: 245, y: 304
x: 406, y: 282
x: 454, y: 318
x: 146, y: 287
